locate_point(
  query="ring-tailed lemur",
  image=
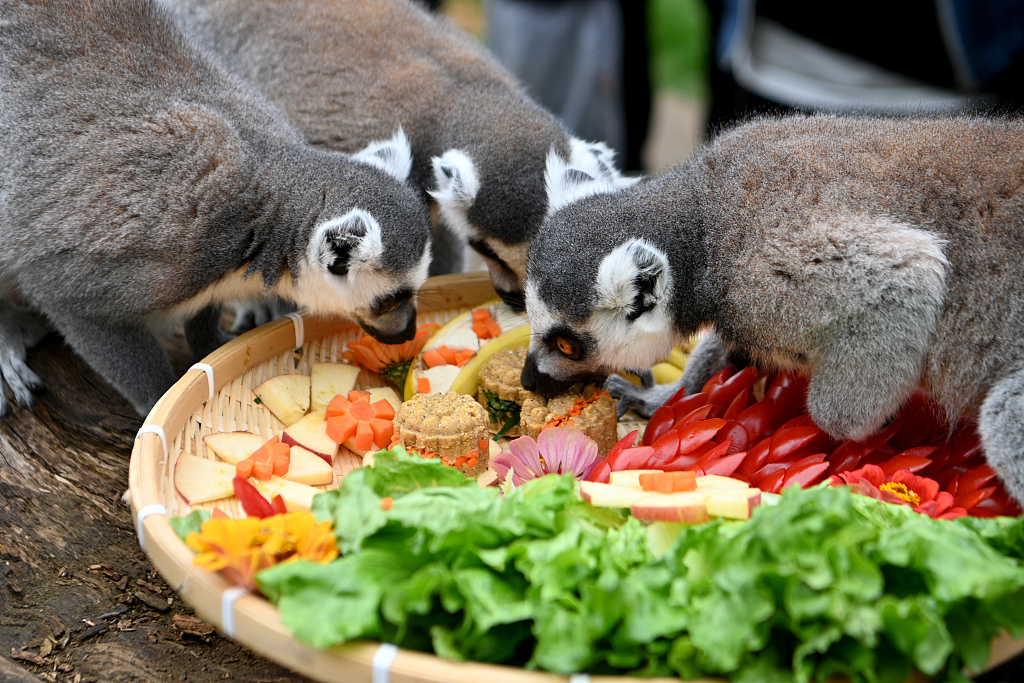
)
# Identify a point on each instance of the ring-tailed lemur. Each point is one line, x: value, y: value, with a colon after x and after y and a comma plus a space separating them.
x: 140, y: 180
x: 877, y: 255
x: 346, y: 70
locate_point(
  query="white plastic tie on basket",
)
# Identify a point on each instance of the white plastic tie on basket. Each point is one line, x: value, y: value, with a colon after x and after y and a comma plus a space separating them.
x: 579, y: 678
x: 227, y: 609
x: 300, y: 330
x: 152, y: 509
x: 208, y: 369
x: 382, y: 661
x: 154, y: 429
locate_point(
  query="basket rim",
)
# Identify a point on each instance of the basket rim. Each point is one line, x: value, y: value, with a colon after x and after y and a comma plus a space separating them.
x: 250, y: 619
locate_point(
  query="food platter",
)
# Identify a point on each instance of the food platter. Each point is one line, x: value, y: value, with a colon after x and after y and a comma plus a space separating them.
x: 216, y: 395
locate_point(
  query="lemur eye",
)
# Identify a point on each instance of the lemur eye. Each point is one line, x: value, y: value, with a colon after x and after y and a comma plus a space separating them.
x: 390, y: 306
x: 568, y: 347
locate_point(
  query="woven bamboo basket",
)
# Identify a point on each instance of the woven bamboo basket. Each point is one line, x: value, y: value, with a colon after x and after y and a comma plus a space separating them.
x: 216, y: 396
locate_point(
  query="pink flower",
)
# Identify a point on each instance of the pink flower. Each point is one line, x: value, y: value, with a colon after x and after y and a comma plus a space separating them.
x: 556, y: 450
x: 903, y: 488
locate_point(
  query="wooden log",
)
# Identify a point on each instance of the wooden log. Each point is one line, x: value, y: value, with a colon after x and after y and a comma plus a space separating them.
x: 78, y: 597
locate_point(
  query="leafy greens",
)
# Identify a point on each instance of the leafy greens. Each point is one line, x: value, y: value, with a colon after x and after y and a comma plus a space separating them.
x: 823, y: 583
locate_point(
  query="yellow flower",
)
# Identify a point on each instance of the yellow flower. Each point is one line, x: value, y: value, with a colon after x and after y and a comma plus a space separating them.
x: 390, y: 361
x: 239, y: 548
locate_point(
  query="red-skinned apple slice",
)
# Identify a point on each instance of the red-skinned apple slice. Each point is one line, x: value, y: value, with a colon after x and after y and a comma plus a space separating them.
x: 716, y: 481
x: 731, y: 503
x: 297, y: 497
x: 286, y: 396
x: 610, y: 495
x: 629, y: 478
x: 688, y: 508
x: 311, y: 433
x: 198, y: 480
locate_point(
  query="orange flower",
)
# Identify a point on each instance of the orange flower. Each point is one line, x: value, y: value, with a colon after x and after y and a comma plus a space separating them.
x: 239, y: 548
x: 390, y: 361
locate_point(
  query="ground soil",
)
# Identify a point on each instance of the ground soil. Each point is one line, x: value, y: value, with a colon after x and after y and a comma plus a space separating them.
x: 79, y: 601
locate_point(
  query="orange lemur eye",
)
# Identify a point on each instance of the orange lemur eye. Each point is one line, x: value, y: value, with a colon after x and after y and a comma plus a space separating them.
x: 567, y: 346
x: 387, y: 308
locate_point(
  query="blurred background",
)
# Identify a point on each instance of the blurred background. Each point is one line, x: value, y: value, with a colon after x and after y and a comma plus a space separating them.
x: 652, y: 78
x: 678, y: 34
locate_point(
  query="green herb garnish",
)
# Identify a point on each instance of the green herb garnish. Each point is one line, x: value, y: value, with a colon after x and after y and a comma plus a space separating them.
x: 502, y: 412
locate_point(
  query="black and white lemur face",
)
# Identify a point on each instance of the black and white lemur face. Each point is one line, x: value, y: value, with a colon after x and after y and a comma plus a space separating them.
x: 598, y: 302
x: 371, y: 252
x: 461, y: 192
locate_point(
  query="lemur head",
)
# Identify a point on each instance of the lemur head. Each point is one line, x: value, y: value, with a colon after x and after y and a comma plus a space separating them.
x: 499, y: 215
x: 598, y: 295
x: 369, y: 251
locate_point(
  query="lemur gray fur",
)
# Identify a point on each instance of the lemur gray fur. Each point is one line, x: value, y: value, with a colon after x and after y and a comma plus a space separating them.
x: 139, y: 181
x: 876, y: 255
x: 345, y: 71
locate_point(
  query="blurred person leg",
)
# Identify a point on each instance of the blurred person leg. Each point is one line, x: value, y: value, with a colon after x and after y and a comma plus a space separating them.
x: 569, y: 55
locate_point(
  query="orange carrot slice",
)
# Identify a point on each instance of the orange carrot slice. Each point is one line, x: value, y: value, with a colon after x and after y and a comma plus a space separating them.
x: 363, y: 439
x: 357, y: 394
x: 382, y: 431
x: 383, y: 409
x: 338, y: 406
x: 433, y: 358
x: 341, y: 428
x: 423, y: 385
x: 361, y: 411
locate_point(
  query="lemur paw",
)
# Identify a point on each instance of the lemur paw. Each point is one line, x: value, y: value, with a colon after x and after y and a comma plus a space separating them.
x: 18, y: 331
x: 643, y: 399
x: 252, y: 314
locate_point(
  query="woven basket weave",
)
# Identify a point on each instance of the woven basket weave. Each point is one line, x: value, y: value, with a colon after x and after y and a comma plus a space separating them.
x: 216, y: 396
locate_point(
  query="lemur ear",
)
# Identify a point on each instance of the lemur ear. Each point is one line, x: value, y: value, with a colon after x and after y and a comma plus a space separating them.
x: 455, y: 179
x: 393, y: 156
x: 346, y: 243
x: 567, y: 183
x: 633, y: 279
x: 598, y: 159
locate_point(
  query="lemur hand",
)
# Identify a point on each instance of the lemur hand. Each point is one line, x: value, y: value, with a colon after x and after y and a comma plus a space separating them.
x: 19, y: 331
x: 644, y: 399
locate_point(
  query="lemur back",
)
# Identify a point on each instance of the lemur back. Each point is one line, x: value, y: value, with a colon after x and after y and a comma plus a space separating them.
x: 344, y: 71
x: 877, y: 255
x: 141, y: 180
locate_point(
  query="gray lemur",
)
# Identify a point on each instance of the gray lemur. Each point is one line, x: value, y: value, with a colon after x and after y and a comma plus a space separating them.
x: 876, y: 255
x: 346, y: 71
x: 139, y: 180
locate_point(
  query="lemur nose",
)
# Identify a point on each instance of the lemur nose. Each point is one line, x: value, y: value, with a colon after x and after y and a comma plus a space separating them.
x: 515, y: 299
x: 527, y: 378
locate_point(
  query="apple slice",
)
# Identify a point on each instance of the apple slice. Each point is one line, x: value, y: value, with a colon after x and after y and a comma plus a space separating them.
x: 311, y: 433
x: 610, y: 495
x: 629, y: 478
x: 198, y: 480
x: 308, y: 468
x: 731, y: 503
x: 327, y: 380
x: 688, y: 508
x: 233, y: 447
x: 286, y: 396
x: 386, y: 394
x: 297, y: 497
x: 717, y: 481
